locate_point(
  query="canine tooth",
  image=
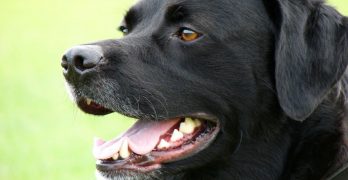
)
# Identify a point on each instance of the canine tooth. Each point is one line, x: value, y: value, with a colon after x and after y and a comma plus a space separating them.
x: 177, y: 135
x: 115, y: 156
x: 197, y: 122
x: 88, y: 101
x: 163, y: 144
x: 188, y: 126
x: 124, y: 150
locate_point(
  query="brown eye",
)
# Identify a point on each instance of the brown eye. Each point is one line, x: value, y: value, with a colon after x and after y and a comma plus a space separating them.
x: 188, y: 35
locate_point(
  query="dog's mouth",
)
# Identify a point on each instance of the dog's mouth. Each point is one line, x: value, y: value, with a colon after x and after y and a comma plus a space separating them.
x: 91, y: 107
x: 149, y: 144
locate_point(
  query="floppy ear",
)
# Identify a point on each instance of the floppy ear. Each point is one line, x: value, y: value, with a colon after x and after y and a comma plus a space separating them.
x: 311, y: 53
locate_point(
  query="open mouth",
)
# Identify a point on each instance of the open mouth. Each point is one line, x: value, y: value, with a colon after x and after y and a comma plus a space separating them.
x: 149, y: 144
x: 91, y: 107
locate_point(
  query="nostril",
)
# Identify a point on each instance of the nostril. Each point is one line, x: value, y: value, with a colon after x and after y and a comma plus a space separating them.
x: 78, y: 62
x: 64, y: 63
x: 81, y: 58
x: 91, y: 63
x: 87, y: 61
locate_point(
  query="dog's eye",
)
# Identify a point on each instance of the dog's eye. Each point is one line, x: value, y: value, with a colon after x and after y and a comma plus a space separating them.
x: 187, y: 34
x: 124, y: 29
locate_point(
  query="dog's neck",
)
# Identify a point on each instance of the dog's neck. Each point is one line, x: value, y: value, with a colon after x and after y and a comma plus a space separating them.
x: 319, y: 144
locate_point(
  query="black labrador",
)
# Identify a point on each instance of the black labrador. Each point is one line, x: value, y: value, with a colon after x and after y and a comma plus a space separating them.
x: 223, y: 89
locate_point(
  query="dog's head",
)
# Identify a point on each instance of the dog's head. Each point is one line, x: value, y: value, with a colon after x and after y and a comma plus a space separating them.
x: 199, y: 73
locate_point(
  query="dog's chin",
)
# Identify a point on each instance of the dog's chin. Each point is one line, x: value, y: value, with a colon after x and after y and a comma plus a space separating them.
x: 140, y: 152
x: 128, y: 176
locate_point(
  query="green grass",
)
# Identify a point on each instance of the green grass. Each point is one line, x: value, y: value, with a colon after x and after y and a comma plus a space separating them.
x: 42, y: 134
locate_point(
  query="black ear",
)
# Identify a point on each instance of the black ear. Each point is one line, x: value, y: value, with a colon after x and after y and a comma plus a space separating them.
x: 311, y: 53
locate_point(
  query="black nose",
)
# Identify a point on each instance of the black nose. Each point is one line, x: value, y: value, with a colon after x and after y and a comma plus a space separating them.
x: 81, y: 58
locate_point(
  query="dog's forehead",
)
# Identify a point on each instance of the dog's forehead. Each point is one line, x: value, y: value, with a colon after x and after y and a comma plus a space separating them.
x: 155, y: 6
x: 207, y: 11
x: 174, y: 2
x: 148, y: 8
x: 160, y: 6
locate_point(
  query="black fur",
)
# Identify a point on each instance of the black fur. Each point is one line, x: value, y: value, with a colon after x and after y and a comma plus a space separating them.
x: 273, y: 69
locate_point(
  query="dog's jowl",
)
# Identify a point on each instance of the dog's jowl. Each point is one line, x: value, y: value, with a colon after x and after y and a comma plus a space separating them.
x: 222, y: 89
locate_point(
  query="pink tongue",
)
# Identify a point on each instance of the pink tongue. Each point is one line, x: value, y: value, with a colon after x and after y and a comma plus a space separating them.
x: 142, y: 138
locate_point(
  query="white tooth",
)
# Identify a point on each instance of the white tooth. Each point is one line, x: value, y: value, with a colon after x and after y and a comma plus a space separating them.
x: 188, y: 126
x: 163, y: 144
x: 177, y: 135
x: 88, y: 101
x: 124, y: 150
x: 197, y: 122
x: 115, y: 156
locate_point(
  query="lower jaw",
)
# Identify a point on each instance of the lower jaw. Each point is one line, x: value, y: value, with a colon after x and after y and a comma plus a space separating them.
x: 154, y: 160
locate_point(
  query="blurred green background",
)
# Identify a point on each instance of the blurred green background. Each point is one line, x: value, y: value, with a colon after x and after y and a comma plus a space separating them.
x: 42, y: 133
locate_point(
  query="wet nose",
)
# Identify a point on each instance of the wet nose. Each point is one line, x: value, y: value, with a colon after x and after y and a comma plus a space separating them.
x: 81, y: 58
